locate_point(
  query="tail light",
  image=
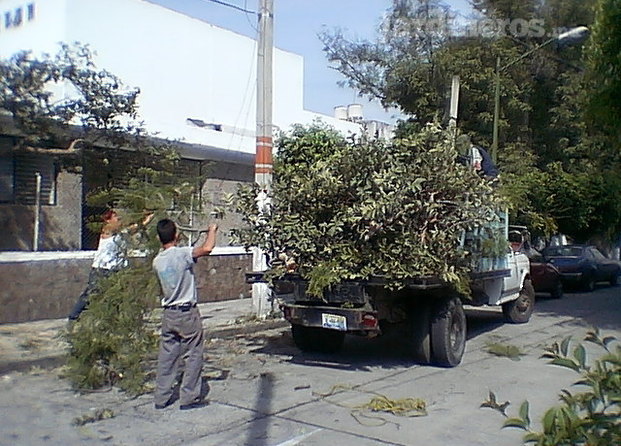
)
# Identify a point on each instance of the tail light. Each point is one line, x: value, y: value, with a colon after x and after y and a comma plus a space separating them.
x: 369, y: 321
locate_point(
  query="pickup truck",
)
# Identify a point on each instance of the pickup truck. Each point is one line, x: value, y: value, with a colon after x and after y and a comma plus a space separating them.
x: 431, y: 311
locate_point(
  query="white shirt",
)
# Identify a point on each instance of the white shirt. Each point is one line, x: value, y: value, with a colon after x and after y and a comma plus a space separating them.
x: 109, y: 253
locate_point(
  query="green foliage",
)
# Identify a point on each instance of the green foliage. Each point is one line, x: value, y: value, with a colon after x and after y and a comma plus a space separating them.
x: 604, y: 70
x: 354, y: 209
x: 546, y: 146
x: 589, y: 417
x: 99, y: 104
x: 110, y: 340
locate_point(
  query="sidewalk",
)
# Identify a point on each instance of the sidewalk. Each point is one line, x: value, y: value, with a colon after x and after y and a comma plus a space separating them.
x: 36, y: 344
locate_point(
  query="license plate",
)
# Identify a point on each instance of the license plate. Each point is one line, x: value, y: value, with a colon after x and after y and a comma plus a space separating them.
x: 334, y: 321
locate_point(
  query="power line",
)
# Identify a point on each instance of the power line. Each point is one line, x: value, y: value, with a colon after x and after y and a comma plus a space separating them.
x: 247, y: 11
x: 251, y: 24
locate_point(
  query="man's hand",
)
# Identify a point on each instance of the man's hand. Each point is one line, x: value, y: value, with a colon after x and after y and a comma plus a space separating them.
x: 209, y: 243
x: 147, y: 218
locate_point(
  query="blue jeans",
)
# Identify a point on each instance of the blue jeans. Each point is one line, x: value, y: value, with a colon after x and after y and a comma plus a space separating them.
x: 93, y: 279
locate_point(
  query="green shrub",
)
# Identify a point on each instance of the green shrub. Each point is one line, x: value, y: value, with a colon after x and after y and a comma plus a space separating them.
x: 112, y: 338
x: 591, y: 417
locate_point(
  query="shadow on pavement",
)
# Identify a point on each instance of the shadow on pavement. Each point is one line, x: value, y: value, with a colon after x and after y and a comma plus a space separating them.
x: 388, y: 351
x: 600, y: 308
x: 258, y: 432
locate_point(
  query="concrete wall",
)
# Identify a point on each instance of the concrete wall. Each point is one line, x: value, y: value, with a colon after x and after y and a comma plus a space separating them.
x: 223, y: 277
x: 60, y: 224
x: 39, y: 286
x: 41, y: 289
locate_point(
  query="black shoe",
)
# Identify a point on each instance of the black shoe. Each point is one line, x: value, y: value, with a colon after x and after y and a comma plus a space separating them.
x: 194, y: 405
x: 163, y: 406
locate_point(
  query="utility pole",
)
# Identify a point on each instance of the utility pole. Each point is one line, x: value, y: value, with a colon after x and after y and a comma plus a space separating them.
x: 263, y: 163
x: 454, y: 107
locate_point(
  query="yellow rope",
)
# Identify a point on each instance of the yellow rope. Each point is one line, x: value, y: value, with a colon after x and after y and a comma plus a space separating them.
x: 404, y: 407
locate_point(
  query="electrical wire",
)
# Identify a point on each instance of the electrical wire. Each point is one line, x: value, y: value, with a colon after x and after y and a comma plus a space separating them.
x: 252, y: 25
x: 239, y: 8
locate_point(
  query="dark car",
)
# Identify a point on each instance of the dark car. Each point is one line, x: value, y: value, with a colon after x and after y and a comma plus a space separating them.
x: 583, y: 265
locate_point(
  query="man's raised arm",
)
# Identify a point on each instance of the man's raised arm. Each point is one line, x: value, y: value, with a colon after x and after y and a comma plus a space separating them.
x: 209, y: 243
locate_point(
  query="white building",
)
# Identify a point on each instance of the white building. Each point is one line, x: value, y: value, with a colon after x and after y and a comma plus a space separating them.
x: 197, y: 80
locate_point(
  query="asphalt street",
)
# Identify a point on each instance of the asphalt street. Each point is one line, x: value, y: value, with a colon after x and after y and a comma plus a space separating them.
x: 262, y: 391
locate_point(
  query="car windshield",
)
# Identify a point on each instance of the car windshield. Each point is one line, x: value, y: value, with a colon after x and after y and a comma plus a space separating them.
x: 563, y: 251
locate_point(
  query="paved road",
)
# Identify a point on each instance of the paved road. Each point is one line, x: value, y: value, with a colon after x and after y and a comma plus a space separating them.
x: 264, y: 392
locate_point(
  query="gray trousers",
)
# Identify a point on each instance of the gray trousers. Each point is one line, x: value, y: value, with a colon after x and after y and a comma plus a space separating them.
x: 182, y: 334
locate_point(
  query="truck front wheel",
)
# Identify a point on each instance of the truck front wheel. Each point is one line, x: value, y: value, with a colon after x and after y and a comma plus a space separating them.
x: 317, y: 339
x: 518, y: 311
x: 448, y: 332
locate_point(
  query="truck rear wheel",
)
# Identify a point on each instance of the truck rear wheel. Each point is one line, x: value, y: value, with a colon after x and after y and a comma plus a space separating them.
x: 317, y: 339
x: 420, y: 327
x: 518, y: 311
x: 448, y: 332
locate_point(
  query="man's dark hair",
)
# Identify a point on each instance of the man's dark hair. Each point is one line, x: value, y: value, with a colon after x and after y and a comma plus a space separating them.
x: 166, y: 230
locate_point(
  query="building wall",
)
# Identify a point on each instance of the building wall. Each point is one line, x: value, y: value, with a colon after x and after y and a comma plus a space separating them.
x: 223, y: 277
x: 42, y: 33
x: 60, y: 224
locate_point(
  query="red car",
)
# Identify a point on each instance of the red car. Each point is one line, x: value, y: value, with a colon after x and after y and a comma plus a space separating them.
x: 544, y: 276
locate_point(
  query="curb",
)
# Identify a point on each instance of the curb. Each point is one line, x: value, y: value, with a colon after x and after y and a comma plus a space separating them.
x: 57, y: 360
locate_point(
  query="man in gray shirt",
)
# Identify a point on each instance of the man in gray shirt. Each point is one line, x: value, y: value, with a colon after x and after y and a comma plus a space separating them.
x: 182, y: 329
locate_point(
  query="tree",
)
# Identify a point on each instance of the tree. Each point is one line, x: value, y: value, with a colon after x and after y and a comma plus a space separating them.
x: 60, y: 106
x: 399, y: 69
x: 50, y: 99
x: 604, y: 70
x: 544, y: 138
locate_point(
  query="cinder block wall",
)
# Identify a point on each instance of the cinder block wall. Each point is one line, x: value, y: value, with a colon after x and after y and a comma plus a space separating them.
x: 47, y: 289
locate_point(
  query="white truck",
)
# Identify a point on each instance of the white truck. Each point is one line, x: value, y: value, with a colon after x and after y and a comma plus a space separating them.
x: 430, y: 310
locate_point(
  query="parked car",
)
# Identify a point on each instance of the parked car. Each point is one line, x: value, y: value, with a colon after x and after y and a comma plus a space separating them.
x: 583, y: 265
x: 544, y: 276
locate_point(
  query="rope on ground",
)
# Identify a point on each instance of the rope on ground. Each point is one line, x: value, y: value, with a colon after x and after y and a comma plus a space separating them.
x: 403, y: 407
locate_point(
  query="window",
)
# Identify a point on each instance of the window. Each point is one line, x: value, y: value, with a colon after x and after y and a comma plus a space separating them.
x: 597, y: 255
x: 31, y: 11
x: 18, y: 180
x: 17, y: 17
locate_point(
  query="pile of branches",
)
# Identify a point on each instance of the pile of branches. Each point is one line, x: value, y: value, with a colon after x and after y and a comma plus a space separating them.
x: 350, y: 208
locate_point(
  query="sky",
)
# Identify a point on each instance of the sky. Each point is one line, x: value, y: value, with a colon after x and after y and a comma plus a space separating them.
x: 297, y: 24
